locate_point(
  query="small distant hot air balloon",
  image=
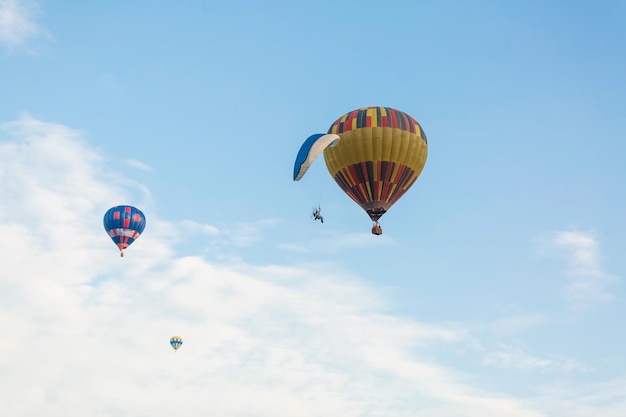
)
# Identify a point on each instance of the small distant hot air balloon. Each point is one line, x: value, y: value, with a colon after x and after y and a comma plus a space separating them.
x: 176, y: 342
x: 124, y: 224
x: 374, y: 154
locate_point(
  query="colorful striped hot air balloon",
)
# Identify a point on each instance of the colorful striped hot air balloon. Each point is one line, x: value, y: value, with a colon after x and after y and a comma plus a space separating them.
x: 124, y: 224
x: 379, y: 155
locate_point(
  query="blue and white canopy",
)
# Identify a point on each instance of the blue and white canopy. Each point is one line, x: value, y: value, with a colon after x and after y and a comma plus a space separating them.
x: 310, y: 149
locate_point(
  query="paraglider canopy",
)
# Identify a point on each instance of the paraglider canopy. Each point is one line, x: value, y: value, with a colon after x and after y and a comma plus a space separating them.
x: 309, y: 150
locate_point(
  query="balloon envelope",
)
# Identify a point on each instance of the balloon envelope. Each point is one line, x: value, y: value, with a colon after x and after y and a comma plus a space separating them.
x: 124, y: 224
x: 381, y: 154
x: 176, y: 342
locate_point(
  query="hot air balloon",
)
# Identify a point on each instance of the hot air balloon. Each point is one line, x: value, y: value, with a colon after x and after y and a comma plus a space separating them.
x: 176, y: 342
x: 379, y: 155
x: 124, y: 224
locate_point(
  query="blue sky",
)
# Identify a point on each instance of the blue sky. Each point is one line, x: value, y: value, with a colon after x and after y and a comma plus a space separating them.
x: 496, y: 289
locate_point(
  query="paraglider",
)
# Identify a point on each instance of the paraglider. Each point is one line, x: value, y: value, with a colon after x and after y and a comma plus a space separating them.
x: 310, y: 149
x: 317, y: 215
x: 176, y: 342
x: 124, y: 224
x: 379, y: 155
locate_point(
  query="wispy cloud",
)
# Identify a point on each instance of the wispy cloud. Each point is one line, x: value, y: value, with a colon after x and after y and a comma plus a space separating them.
x: 334, y: 242
x: 88, y: 331
x: 509, y: 357
x: 91, y: 328
x: 581, y: 251
x: 138, y: 164
x: 190, y: 226
x: 585, y: 252
x: 563, y: 399
x: 17, y: 23
x: 245, y: 234
x: 514, y: 323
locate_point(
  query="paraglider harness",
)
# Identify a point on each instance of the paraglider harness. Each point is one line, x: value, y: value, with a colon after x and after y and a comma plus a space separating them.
x: 317, y: 215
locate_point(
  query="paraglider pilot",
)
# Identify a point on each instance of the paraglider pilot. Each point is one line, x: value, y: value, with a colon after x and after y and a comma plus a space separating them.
x: 317, y: 215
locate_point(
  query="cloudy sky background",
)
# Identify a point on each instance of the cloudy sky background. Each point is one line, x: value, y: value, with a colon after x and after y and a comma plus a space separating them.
x: 497, y: 288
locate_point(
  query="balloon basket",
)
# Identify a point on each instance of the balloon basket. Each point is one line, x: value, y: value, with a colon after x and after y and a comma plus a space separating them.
x: 376, y: 229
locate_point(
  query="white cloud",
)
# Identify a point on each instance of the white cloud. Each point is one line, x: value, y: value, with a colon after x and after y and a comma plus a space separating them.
x: 333, y: 242
x: 586, y: 400
x: 515, y: 323
x: 518, y: 360
x: 138, y: 164
x: 86, y: 332
x: 581, y: 251
x: 190, y: 226
x: 584, y: 249
x: 17, y: 23
x: 245, y: 234
x: 509, y: 357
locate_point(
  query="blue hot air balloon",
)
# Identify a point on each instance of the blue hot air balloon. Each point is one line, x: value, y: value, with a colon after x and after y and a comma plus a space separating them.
x: 124, y: 224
